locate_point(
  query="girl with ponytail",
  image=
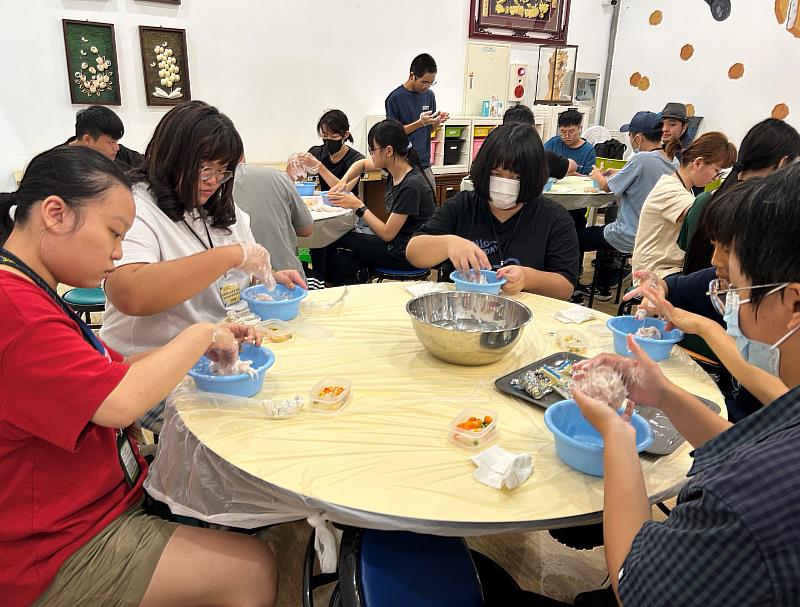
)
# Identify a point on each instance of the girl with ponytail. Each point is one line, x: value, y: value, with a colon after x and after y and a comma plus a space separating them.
x: 410, y: 201
x: 72, y: 522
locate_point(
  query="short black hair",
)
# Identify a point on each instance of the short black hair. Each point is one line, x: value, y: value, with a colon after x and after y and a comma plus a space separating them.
x: 766, y: 222
x: 97, y: 120
x: 519, y: 113
x: 334, y: 121
x: 570, y: 118
x: 515, y: 147
x: 652, y: 136
x: 423, y: 64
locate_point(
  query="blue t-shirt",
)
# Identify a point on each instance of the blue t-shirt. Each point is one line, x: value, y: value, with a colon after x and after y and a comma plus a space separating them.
x: 584, y: 156
x: 406, y: 106
x: 632, y: 185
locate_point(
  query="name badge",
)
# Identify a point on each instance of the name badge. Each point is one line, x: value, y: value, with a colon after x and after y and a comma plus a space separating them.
x: 230, y: 293
x: 128, y: 461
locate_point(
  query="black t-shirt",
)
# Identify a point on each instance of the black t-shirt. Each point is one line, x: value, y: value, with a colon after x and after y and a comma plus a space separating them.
x: 541, y: 235
x: 413, y: 197
x: 557, y: 166
x: 339, y: 168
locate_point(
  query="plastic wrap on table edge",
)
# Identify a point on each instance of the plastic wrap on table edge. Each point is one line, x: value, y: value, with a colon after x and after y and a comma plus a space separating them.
x: 323, y: 306
x: 193, y: 481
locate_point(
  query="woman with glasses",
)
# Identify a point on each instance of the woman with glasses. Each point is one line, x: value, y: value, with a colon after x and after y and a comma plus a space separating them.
x: 409, y: 203
x: 505, y: 223
x: 664, y: 210
x: 190, y: 251
x: 695, y: 303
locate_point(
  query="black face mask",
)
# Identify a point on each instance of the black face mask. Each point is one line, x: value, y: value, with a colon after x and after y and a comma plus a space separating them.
x: 332, y: 145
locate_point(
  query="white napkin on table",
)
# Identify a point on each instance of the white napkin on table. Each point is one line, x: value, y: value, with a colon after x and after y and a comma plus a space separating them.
x: 499, y: 468
x: 576, y: 314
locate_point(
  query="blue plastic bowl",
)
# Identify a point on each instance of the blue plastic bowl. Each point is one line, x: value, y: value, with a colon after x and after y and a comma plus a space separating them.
x: 492, y: 286
x: 305, y: 188
x: 235, y: 385
x: 549, y: 184
x: 578, y: 444
x: 285, y: 309
x: 657, y: 349
x: 595, y: 184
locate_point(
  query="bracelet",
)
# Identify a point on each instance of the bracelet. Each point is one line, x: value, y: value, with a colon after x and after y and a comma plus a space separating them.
x: 360, y: 211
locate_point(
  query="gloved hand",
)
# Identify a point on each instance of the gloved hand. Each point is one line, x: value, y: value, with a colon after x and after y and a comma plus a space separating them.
x: 310, y: 163
x: 256, y: 262
x: 224, y: 348
x: 295, y: 169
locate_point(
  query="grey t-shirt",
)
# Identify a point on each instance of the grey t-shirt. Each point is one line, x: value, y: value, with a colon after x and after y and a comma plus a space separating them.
x: 275, y: 210
x: 632, y: 185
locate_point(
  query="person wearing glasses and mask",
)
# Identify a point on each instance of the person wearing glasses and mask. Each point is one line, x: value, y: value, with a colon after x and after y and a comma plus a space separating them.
x: 569, y: 142
x: 664, y: 210
x: 413, y: 104
x: 190, y: 251
x: 732, y: 539
x: 505, y: 223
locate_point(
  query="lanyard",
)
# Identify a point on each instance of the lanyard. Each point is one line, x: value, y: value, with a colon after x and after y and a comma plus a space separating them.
x: 678, y: 175
x: 12, y: 261
x: 210, y: 244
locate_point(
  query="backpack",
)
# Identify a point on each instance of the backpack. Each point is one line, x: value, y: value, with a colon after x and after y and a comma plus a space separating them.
x: 611, y: 148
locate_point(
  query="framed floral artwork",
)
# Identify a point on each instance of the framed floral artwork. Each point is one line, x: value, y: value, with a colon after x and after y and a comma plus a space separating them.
x: 91, y: 50
x: 535, y: 21
x: 165, y: 65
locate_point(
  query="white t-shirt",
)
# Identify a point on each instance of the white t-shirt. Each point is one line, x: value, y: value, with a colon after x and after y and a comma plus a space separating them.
x: 153, y: 238
x: 664, y: 210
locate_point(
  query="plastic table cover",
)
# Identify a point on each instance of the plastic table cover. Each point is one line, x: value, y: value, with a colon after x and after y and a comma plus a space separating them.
x: 384, y: 461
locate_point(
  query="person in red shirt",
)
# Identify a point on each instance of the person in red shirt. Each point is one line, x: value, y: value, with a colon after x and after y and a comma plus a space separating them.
x: 72, y: 527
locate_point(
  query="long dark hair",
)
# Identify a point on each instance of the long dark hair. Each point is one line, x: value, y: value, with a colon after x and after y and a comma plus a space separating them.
x: 188, y: 135
x: 391, y: 132
x: 77, y: 174
x: 334, y: 121
x: 516, y: 147
x: 763, y: 147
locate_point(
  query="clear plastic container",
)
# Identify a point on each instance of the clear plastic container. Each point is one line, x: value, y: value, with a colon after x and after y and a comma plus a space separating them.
x: 572, y: 341
x: 276, y: 331
x: 478, y: 437
x: 330, y: 395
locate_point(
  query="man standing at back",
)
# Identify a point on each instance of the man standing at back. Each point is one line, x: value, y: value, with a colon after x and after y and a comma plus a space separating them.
x: 676, y: 122
x: 413, y: 104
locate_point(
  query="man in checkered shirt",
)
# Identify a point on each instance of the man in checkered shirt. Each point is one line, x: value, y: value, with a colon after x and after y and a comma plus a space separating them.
x: 734, y: 537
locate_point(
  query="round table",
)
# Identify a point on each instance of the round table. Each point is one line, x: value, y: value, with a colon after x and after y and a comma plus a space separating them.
x: 329, y: 225
x: 578, y: 192
x: 384, y: 460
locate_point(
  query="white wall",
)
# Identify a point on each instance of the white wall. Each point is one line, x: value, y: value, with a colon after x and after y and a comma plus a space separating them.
x: 751, y: 35
x: 273, y: 67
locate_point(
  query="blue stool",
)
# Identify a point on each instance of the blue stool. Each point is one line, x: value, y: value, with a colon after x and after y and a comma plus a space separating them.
x: 86, y: 301
x: 381, y: 274
x: 399, y: 569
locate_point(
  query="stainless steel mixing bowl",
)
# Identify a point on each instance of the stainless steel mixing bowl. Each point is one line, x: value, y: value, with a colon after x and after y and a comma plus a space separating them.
x: 468, y: 328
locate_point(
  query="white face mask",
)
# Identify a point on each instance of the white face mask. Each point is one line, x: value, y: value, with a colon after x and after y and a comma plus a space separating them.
x: 503, y: 193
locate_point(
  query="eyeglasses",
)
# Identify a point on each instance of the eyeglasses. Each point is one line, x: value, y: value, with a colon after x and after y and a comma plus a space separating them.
x: 209, y: 173
x: 427, y: 84
x: 718, y: 174
x: 718, y: 287
x: 569, y: 133
x: 373, y: 150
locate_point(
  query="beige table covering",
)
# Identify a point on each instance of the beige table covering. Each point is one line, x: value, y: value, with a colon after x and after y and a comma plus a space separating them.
x: 384, y: 460
x: 575, y: 192
x: 329, y: 225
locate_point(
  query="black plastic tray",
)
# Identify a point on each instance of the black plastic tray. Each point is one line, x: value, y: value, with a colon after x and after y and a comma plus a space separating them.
x: 666, y: 438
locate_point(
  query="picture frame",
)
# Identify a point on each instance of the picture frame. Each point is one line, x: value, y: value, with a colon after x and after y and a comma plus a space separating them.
x: 165, y: 65
x: 520, y: 21
x: 555, y: 76
x: 92, y: 69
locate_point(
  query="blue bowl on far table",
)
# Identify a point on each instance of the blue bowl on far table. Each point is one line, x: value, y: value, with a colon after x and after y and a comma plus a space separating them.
x: 657, y: 349
x: 282, y: 309
x: 549, y: 184
x: 578, y: 444
x: 245, y: 385
x: 492, y: 285
x: 305, y: 188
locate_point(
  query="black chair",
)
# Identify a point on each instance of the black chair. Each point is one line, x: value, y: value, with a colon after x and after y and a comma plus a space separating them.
x: 615, y: 261
x: 381, y: 274
x: 86, y: 301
